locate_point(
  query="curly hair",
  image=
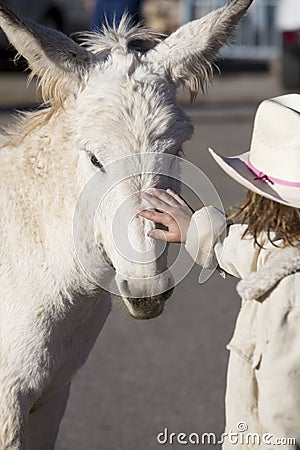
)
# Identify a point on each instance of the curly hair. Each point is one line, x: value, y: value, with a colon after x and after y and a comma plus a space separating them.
x: 264, y: 215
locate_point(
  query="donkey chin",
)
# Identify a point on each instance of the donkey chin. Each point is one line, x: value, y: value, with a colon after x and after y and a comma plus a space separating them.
x: 140, y: 305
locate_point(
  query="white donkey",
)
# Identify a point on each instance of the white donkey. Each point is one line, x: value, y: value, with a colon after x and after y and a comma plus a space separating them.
x: 113, y: 97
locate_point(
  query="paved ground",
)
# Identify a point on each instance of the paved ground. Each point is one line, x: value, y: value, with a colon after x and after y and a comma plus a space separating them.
x: 143, y: 377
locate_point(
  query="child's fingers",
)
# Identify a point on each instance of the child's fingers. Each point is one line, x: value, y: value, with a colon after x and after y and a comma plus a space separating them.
x: 151, y: 215
x: 164, y: 196
x: 158, y: 234
x: 155, y: 216
x: 176, y: 197
x: 156, y: 202
x: 165, y: 235
x: 180, y: 199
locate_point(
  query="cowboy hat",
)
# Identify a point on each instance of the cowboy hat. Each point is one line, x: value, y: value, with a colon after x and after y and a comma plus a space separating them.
x: 272, y: 166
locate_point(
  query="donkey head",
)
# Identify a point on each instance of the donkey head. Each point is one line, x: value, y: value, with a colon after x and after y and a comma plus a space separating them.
x: 117, y: 95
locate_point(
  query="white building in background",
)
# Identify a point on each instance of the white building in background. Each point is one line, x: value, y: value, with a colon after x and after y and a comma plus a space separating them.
x: 257, y: 36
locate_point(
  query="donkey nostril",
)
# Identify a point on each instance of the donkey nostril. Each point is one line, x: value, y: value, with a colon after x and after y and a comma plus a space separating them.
x: 124, y: 284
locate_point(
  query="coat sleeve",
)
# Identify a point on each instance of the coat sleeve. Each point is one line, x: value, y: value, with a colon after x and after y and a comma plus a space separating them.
x: 212, y: 241
x: 206, y: 229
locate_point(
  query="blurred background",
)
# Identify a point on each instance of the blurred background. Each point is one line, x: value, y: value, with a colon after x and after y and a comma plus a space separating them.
x: 170, y: 372
x: 268, y: 36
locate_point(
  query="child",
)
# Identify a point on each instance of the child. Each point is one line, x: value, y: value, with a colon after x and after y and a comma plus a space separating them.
x: 263, y: 380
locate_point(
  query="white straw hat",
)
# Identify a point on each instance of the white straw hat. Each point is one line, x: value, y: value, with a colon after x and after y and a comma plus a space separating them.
x: 272, y: 167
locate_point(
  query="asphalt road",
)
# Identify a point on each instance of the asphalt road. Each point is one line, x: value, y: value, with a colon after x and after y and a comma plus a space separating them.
x: 143, y: 377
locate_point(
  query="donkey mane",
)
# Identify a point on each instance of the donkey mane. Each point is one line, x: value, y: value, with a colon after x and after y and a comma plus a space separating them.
x: 25, y: 122
x: 123, y: 36
x: 126, y: 38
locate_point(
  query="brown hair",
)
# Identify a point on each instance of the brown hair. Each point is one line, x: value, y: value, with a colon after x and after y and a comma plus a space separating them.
x: 264, y: 215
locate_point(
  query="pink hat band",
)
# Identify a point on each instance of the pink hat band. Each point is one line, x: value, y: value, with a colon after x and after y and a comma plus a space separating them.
x: 262, y: 176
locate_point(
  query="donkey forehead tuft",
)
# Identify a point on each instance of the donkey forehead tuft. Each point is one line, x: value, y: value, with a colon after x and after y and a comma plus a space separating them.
x: 123, y: 37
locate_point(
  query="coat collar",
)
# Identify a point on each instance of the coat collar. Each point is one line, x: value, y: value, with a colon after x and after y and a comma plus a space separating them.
x: 280, y: 263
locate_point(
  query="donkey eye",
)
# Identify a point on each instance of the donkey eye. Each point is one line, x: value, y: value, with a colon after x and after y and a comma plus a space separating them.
x: 96, y: 163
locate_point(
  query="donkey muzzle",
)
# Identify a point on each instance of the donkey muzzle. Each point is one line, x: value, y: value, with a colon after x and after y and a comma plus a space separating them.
x: 145, y: 297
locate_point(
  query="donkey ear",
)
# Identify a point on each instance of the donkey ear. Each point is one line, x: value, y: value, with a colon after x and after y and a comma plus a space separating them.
x: 186, y: 55
x: 57, y: 60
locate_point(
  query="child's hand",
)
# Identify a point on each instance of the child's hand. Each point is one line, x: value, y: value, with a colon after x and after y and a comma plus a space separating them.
x: 172, y: 212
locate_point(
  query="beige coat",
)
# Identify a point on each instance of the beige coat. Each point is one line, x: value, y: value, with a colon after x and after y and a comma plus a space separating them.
x: 263, y: 380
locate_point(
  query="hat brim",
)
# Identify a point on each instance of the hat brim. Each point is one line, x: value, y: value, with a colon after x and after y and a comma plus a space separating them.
x: 236, y: 167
